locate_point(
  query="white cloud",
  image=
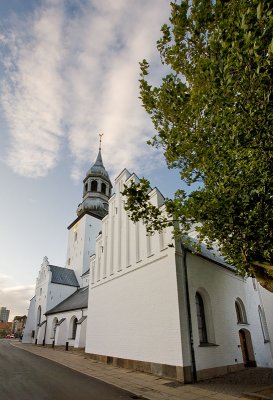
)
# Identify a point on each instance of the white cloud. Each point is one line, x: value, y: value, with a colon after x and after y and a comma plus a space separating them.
x: 14, y: 297
x: 75, y: 74
x: 4, y: 277
x: 32, y: 96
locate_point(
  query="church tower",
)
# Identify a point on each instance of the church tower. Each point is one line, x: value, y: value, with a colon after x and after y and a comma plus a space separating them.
x: 86, y: 227
x: 96, y: 189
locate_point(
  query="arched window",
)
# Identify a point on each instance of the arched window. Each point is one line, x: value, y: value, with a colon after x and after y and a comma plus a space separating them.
x: 73, y: 327
x: 53, y: 328
x: 39, y: 312
x: 201, y: 320
x: 240, y: 312
x: 263, y: 324
x: 103, y: 188
x: 94, y: 186
x: 86, y: 187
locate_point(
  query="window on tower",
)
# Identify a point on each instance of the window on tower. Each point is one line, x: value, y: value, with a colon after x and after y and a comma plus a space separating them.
x: 94, y: 186
x: 103, y: 188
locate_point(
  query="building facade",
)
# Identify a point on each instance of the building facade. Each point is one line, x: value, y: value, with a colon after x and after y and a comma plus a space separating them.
x: 156, y: 306
x: 145, y: 301
x: 18, y: 325
x: 4, y: 314
x: 5, y: 329
x: 61, y: 295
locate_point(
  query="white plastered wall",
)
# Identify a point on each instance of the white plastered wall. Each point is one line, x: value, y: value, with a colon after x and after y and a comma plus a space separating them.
x: 81, y: 244
x: 133, y: 310
x: 63, y: 330
x: 57, y: 293
x: 221, y: 288
x: 80, y: 339
x: 259, y: 297
x: 61, y: 333
x: 136, y: 315
x: 30, y: 322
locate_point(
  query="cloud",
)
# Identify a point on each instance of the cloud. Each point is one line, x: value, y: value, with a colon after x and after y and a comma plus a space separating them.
x: 31, y: 92
x: 15, y: 298
x: 73, y: 73
x: 4, y: 277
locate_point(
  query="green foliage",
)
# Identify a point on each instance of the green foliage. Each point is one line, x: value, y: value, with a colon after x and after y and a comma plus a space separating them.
x: 214, y: 120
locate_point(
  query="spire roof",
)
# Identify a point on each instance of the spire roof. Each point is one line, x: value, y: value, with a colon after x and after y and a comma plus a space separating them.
x: 98, y: 161
x: 98, y: 167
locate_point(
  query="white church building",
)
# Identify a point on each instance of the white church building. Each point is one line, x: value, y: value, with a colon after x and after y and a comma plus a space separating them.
x: 144, y: 301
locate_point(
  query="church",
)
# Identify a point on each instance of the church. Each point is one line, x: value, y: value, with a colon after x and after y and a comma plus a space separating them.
x: 147, y: 302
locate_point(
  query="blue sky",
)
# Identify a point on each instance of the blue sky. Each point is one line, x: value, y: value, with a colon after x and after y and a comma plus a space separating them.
x: 69, y: 70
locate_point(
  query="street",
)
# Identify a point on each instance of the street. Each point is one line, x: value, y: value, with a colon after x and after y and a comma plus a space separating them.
x: 26, y: 376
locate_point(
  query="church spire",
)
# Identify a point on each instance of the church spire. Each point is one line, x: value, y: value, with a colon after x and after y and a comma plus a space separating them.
x: 100, y: 135
x: 98, y: 161
x: 96, y: 188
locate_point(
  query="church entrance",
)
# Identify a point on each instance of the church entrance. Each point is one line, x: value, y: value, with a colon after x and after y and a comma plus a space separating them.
x: 247, y: 348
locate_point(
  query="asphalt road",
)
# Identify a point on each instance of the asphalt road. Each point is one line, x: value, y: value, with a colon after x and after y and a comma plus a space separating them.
x: 25, y: 376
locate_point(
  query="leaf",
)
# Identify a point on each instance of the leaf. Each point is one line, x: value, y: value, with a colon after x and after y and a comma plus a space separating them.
x: 213, y: 115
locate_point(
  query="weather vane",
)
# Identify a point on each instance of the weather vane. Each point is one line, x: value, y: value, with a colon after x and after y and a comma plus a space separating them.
x: 100, y: 135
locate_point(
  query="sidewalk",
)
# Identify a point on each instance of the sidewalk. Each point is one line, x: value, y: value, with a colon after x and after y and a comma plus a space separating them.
x: 143, y: 386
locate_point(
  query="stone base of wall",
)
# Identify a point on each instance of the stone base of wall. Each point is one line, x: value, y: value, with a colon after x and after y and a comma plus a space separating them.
x: 179, y: 373
x: 162, y: 370
x: 218, y: 371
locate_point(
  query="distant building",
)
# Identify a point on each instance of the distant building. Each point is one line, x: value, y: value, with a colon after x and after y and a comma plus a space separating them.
x: 5, y: 329
x: 18, y: 324
x: 4, y: 314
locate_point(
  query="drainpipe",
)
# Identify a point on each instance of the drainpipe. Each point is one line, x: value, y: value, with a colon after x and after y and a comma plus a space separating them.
x: 185, y: 266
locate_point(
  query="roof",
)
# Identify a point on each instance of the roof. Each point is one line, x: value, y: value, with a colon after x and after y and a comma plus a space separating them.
x: 5, y: 325
x: 63, y: 276
x: 98, y: 168
x: 76, y: 301
x: 212, y: 255
x: 61, y: 321
x: 83, y: 318
x: 80, y: 216
x: 86, y: 272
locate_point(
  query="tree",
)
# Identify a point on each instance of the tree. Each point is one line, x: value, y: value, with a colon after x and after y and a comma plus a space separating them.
x: 213, y: 114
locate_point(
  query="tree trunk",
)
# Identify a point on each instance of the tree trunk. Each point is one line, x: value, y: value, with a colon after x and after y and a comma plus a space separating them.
x: 264, y: 275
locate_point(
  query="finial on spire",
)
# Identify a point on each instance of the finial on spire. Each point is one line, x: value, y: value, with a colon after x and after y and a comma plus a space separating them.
x: 100, y: 135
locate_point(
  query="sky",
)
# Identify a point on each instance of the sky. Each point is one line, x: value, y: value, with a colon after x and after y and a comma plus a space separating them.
x: 69, y: 70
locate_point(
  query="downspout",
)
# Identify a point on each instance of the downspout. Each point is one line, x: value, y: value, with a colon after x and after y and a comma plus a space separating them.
x: 194, y: 374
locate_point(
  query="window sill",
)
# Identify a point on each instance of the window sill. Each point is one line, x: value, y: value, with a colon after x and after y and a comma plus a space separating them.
x: 242, y: 323
x: 208, y: 345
